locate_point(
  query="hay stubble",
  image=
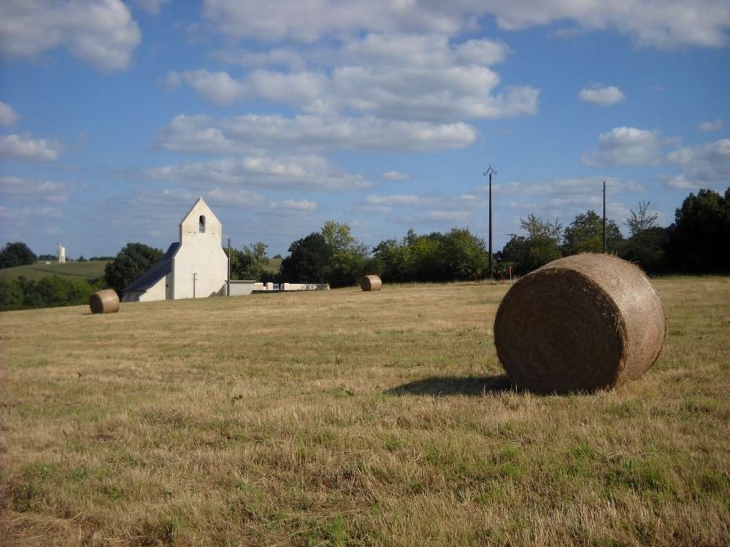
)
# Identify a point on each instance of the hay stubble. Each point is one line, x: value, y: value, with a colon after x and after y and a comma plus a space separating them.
x: 298, y: 419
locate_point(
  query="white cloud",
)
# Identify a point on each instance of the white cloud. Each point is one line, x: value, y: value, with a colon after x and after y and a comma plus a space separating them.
x: 666, y: 24
x: 396, y: 175
x: 405, y: 92
x: 294, y: 205
x: 702, y: 166
x: 255, y: 134
x: 171, y: 82
x: 21, y: 188
x: 26, y: 148
x: 8, y: 116
x: 422, y: 208
x: 711, y: 126
x: 625, y: 146
x: 222, y: 90
x: 297, y: 172
x: 559, y: 188
x: 282, y: 57
x: 151, y: 6
x: 101, y: 32
x: 604, y: 96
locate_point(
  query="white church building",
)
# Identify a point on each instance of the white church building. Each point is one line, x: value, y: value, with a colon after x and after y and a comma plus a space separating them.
x: 194, y: 267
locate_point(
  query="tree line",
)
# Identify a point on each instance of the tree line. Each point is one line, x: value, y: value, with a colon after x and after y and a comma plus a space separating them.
x: 695, y: 243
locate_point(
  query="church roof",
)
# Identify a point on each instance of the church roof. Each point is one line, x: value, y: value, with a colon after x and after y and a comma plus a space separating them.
x: 155, y: 273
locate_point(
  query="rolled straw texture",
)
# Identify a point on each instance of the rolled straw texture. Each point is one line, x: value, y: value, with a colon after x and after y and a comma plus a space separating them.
x: 106, y: 301
x: 580, y: 323
x: 371, y: 283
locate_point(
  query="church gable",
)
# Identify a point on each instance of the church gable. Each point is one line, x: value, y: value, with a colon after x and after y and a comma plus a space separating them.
x: 201, y: 222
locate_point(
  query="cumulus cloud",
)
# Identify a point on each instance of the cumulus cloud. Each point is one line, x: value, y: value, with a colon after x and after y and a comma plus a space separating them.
x: 101, y: 32
x: 294, y: 205
x: 604, y: 96
x: 711, y: 126
x: 563, y: 188
x: 626, y: 146
x: 25, y: 148
x: 668, y: 24
x: 296, y: 172
x: 8, y: 116
x: 702, y: 166
x: 258, y: 134
x: 151, y: 6
x: 404, y: 92
x: 36, y: 190
x: 222, y: 90
x: 282, y: 57
x: 410, y: 208
x: 396, y: 175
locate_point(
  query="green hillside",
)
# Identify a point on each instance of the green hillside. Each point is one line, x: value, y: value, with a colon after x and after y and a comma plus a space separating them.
x: 75, y: 271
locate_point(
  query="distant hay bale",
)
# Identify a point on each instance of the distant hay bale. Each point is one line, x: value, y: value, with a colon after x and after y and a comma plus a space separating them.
x: 106, y: 301
x: 371, y: 283
x: 580, y: 323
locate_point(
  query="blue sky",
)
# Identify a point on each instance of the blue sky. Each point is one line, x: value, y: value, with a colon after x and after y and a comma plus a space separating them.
x: 115, y: 117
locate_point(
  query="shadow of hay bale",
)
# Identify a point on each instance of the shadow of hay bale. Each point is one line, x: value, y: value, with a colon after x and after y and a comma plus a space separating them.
x: 443, y: 386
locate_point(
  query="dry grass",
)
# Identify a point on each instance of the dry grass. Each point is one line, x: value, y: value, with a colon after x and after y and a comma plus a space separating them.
x: 351, y: 418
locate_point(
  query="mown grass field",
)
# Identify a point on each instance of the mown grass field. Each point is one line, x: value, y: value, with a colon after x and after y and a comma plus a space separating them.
x: 75, y: 271
x: 350, y: 418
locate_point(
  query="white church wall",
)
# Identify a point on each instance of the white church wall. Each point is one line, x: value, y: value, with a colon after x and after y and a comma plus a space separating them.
x: 155, y: 292
x: 200, y: 265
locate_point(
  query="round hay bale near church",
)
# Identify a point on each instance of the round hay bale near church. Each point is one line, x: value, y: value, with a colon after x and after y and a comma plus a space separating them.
x: 371, y: 283
x: 106, y: 301
x: 580, y: 323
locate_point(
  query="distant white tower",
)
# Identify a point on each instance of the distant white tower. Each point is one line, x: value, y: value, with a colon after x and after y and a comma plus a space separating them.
x: 61, y: 254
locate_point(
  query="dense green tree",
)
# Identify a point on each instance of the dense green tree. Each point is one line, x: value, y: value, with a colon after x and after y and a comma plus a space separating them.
x: 348, y: 257
x: 308, y: 260
x: 131, y: 262
x: 465, y: 255
x: 585, y: 235
x: 540, y: 246
x: 16, y: 254
x: 698, y: 239
x: 458, y: 255
x: 250, y: 262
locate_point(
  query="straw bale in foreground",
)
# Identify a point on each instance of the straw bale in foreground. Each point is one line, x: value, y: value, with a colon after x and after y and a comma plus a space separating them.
x: 580, y: 323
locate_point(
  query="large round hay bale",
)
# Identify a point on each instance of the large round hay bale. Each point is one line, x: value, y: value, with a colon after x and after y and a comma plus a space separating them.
x: 580, y: 323
x: 371, y: 283
x: 106, y: 301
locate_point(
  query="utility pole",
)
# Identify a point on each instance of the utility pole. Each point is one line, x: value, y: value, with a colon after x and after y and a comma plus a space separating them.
x: 490, y: 171
x: 195, y: 278
x: 604, y: 217
x: 228, y: 283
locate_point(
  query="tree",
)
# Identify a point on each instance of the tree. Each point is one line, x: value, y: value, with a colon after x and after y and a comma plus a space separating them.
x: 16, y: 254
x: 698, y: 239
x: 250, y: 262
x: 540, y: 246
x: 348, y: 257
x: 585, y: 235
x: 131, y: 262
x: 465, y: 255
x: 307, y: 261
x: 646, y: 244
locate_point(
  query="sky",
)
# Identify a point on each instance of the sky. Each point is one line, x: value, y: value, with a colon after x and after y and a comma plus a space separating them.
x: 382, y: 114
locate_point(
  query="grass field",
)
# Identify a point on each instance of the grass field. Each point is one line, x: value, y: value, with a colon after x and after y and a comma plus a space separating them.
x: 350, y: 418
x: 75, y: 271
